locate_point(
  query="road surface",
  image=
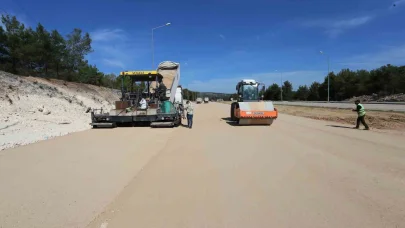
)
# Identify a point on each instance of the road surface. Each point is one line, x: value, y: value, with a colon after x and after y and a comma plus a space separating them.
x: 296, y: 173
x: 377, y: 107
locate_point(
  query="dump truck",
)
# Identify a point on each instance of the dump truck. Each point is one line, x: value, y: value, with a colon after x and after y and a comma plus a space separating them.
x: 152, y: 105
x: 250, y: 108
x: 206, y: 99
x: 199, y: 100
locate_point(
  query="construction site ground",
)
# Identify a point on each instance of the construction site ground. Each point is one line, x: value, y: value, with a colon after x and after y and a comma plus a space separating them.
x: 374, y: 106
x: 299, y: 172
x: 378, y: 120
x: 381, y: 120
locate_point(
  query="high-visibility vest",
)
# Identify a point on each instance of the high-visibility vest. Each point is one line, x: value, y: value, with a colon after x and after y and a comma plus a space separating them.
x: 362, y: 111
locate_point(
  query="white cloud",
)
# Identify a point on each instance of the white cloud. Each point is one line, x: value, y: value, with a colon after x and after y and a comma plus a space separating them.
x: 335, y: 27
x: 114, y: 51
x: 114, y: 63
x: 108, y: 35
x: 110, y: 54
x: 227, y: 85
x: 391, y: 55
x: 353, y: 22
x: 222, y: 36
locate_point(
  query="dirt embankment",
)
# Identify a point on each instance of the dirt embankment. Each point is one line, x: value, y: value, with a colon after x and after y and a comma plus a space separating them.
x: 375, y: 98
x: 34, y: 109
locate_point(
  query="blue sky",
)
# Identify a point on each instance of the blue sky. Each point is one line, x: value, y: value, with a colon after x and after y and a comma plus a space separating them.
x: 220, y: 42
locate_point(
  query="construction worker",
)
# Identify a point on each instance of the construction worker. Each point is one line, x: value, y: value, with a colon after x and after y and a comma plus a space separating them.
x: 361, y: 114
x: 162, y: 91
x: 190, y: 111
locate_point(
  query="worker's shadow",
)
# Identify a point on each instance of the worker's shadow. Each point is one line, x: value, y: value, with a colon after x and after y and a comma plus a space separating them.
x: 183, y: 123
x: 339, y: 126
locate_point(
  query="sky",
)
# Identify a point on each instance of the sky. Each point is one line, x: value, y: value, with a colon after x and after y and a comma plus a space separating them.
x: 218, y: 43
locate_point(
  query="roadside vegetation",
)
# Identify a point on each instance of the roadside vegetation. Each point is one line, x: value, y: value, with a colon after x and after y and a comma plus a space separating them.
x: 47, y: 54
x: 382, y: 82
x: 42, y: 53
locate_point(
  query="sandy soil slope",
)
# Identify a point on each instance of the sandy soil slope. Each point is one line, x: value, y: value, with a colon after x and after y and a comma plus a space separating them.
x: 34, y: 109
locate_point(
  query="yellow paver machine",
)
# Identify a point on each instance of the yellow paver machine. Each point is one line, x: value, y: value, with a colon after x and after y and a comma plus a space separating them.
x: 149, y: 105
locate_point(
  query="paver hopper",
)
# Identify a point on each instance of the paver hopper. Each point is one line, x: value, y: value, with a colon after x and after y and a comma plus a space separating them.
x: 249, y: 109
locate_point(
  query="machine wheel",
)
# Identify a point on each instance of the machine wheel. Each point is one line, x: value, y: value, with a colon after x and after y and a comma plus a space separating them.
x: 177, y: 122
x: 233, y: 107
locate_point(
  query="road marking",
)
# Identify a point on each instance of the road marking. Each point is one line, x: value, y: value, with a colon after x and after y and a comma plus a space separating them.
x: 104, y: 225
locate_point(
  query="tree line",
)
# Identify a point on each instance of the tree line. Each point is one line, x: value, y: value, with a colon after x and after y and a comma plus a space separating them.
x: 41, y: 53
x: 383, y: 81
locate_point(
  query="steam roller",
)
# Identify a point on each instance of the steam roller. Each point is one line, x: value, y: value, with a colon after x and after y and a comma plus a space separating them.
x: 250, y: 108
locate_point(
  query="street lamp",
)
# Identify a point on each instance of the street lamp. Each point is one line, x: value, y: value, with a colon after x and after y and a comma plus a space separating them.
x: 153, y: 54
x: 327, y: 56
x: 281, y: 85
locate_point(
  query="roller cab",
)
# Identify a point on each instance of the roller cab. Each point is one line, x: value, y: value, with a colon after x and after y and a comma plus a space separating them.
x: 250, y: 109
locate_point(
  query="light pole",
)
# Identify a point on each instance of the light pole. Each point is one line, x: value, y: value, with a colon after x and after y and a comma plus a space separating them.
x: 281, y: 85
x: 153, y: 54
x: 327, y: 56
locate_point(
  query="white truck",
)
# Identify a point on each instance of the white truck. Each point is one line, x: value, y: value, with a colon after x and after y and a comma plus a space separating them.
x: 199, y: 100
x: 206, y: 99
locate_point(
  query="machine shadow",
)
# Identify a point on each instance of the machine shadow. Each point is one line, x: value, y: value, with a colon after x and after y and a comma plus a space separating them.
x: 236, y: 124
x: 230, y: 122
x: 129, y: 125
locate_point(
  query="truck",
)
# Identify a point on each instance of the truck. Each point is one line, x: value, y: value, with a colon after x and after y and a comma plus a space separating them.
x: 206, y: 99
x: 199, y: 100
x: 155, y: 105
